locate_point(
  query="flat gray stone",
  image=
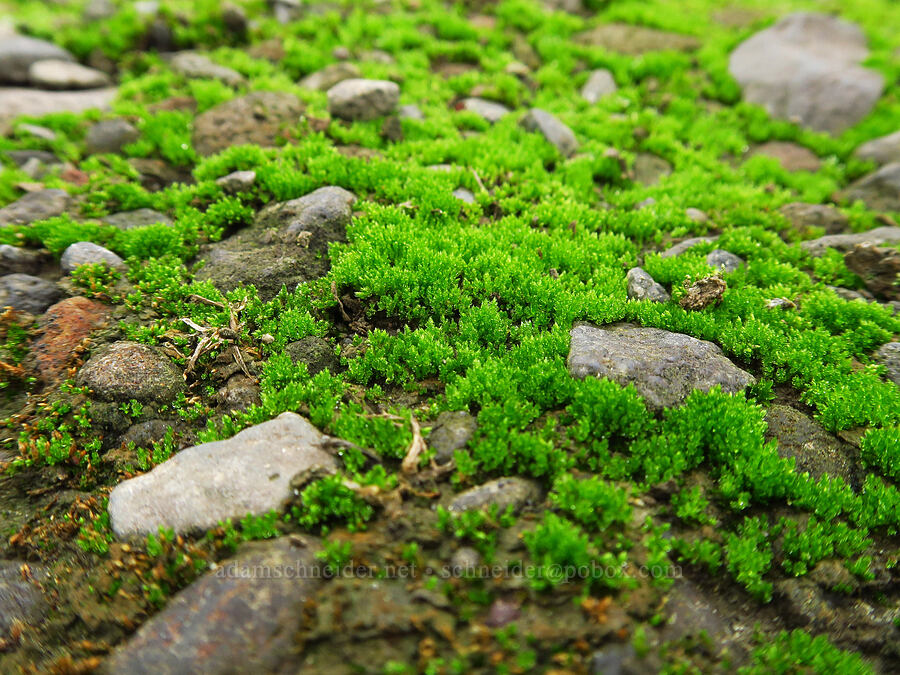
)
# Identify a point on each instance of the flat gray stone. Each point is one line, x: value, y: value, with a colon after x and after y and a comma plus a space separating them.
x: 128, y: 220
x: 20, y: 600
x: 664, y: 367
x: 464, y: 195
x: 241, y: 617
x: 15, y: 101
x: 197, y: 66
x: 16, y: 260
x: 201, y: 485
x: 27, y: 293
x: 879, y: 191
x: 18, y: 52
x: 324, y: 212
x: 556, y: 133
x: 724, y: 260
x: 600, y: 83
x: 806, y: 68
x: 130, y: 370
x: 451, y: 432
x: 60, y: 74
x: 259, y: 118
x: 888, y: 355
x: 317, y: 353
x: 641, y: 286
x: 110, y: 136
x: 502, y: 492
x: 847, y: 242
x: 85, y: 253
x: 884, y: 150
x: 804, y: 216
x: 237, y: 181
x: 330, y: 75
x: 489, y: 111
x: 685, y: 245
x: 360, y: 99
x: 34, y: 206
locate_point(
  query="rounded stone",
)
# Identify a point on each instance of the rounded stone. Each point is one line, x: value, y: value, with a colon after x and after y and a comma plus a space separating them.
x: 110, y: 136
x: 360, y: 99
x: 721, y: 259
x: 259, y: 118
x: 27, y: 293
x: 86, y: 252
x: 18, y: 52
x: 60, y: 74
x: 130, y: 370
x: 641, y: 286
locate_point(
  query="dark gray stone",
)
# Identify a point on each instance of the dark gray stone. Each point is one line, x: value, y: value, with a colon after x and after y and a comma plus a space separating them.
x: 317, y: 353
x: 879, y: 191
x: 35, y: 206
x: 325, y: 212
x: 888, y: 355
x: 145, y: 434
x: 86, y: 252
x: 21, y: 599
x: 664, y: 367
x: 16, y: 260
x: 130, y: 370
x: 502, y: 492
x: 806, y: 68
x: 27, y: 293
x: 451, y: 432
x: 18, y: 52
x: 198, y: 66
x: 884, y: 150
x: 204, y: 484
x: 110, y: 136
x: 847, y: 242
x: 641, y: 286
x: 556, y: 133
x: 360, y: 99
x: 803, y: 216
x: 721, y: 259
x: 259, y: 118
x: 240, y: 617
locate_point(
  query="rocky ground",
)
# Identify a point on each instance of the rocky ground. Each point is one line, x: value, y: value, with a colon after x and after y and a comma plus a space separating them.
x: 408, y: 336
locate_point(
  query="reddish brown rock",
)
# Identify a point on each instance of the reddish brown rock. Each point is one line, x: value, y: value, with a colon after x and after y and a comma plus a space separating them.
x: 63, y: 328
x: 791, y: 156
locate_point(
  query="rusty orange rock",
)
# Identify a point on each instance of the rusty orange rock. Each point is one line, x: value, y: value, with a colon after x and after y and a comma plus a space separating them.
x: 63, y: 327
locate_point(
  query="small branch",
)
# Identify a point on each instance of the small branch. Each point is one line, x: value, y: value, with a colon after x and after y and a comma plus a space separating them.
x: 410, y: 462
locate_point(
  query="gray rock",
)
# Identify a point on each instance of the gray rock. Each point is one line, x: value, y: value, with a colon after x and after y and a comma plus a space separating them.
x: 696, y: 215
x: 259, y: 118
x: 317, y: 353
x: 240, y: 617
x: 22, y: 157
x: 879, y: 191
x: 330, y: 75
x: 645, y: 203
x: 806, y: 68
x: 359, y: 99
x: 884, y: 150
x: 34, y: 206
x: 20, y: 599
x: 36, y: 131
x: 110, y: 136
x: 201, y: 485
x: 804, y: 216
x: 410, y: 112
x: 145, y: 434
x: 59, y: 74
x: 97, y: 10
x: 502, y: 492
x: 15, y: 102
x: 464, y: 195
x: 635, y: 40
x: 888, y: 355
x: 618, y: 659
x: 86, y: 252
x: 27, y: 293
x: 465, y: 560
x: 451, y: 432
x: 557, y: 133
x: 721, y: 259
x: 641, y: 286
x: 489, y: 111
x: 237, y: 181
x: 197, y: 66
x: 847, y: 242
x: 15, y: 260
x: 325, y: 212
x: 814, y: 449
x: 18, y: 52
x: 130, y: 370
x: 648, y: 169
x: 664, y: 367
x: 238, y: 394
x: 600, y: 83
x: 878, y: 267
x: 128, y: 220
x: 791, y: 156
x: 685, y: 245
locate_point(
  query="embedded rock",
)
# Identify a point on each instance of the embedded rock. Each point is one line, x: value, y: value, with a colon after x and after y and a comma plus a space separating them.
x: 806, y: 68
x: 803, y: 216
x: 85, y: 253
x: 502, y: 492
x: 27, y: 293
x: 664, y: 367
x: 16, y: 260
x: 237, y: 181
x: 451, y: 432
x: 198, y: 66
x: 884, y: 150
x: 464, y: 195
x: 888, y: 355
x: 879, y: 191
x: 18, y: 53
x: 15, y: 101
x: 600, y: 83
x: 685, y: 245
x: 410, y: 112
x: 242, y: 616
x: 110, y: 136
x: 317, y: 353
x: 648, y: 169
x: 846, y: 242
x: 201, y: 485
x: 557, y: 133
x: 635, y: 40
x: 131, y: 370
x: 878, y: 267
x: 59, y: 74
x: 359, y: 99
x: 489, y: 111
x: 62, y: 329
x: 260, y: 118
x: 790, y: 156
x: 127, y: 220
x: 21, y: 598
x: 330, y: 75
x: 724, y: 260
x: 35, y: 206
x: 641, y: 286
x: 324, y: 212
